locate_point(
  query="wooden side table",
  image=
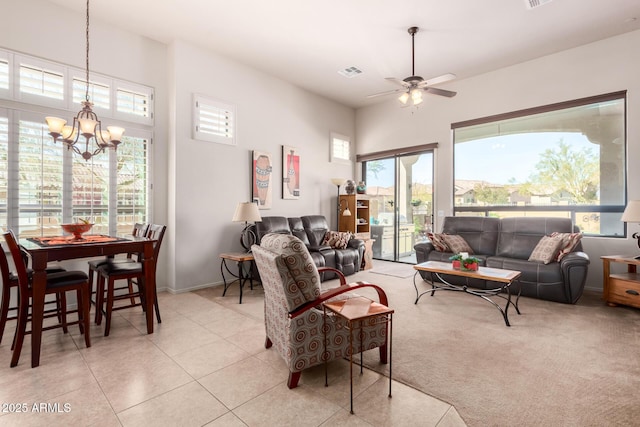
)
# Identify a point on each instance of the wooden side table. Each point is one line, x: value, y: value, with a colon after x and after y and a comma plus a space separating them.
x: 621, y: 288
x: 355, y: 311
x: 240, y: 258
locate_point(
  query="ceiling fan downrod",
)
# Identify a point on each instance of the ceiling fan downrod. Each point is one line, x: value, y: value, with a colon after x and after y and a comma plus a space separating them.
x: 413, y: 31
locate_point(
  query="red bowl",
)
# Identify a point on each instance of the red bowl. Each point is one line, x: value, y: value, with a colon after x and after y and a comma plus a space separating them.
x: 77, y: 229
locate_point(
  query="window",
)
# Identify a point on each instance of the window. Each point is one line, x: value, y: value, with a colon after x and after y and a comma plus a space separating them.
x: 566, y: 159
x: 43, y: 184
x: 213, y: 121
x: 99, y: 93
x: 340, y: 148
x: 39, y: 82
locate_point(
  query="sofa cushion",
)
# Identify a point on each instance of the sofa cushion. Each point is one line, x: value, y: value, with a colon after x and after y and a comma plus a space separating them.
x: 457, y: 244
x: 546, y: 250
x: 520, y: 235
x: 337, y: 239
x: 569, y: 242
x: 481, y: 233
x: 438, y: 242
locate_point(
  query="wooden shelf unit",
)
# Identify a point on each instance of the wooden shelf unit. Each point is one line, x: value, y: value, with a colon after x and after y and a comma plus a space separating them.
x: 358, y: 222
x: 621, y: 288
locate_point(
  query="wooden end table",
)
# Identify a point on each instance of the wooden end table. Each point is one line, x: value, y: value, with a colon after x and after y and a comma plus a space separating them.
x: 240, y: 258
x: 621, y: 288
x: 355, y: 311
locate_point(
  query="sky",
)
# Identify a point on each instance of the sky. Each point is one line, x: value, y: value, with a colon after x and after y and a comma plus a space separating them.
x: 492, y: 159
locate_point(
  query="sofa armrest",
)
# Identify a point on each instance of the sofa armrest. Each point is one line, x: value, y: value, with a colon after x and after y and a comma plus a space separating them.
x: 422, y: 251
x: 355, y: 243
x: 322, y: 248
x: 574, y: 268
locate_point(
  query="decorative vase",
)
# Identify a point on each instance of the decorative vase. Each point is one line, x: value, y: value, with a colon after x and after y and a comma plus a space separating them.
x: 361, y: 188
x: 350, y: 187
x: 456, y: 264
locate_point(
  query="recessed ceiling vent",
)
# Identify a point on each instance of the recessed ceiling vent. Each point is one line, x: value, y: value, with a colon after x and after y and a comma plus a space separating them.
x: 350, y: 72
x: 532, y: 4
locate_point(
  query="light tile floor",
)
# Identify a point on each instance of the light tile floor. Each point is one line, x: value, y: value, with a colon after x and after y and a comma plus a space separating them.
x: 205, y: 365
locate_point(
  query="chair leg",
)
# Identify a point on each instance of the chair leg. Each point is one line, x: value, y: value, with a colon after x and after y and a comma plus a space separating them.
x: 155, y: 304
x: 4, y: 307
x: 294, y: 377
x: 83, y: 310
x: 383, y: 354
x: 130, y: 285
x: 21, y: 329
x: 109, y: 308
x: 99, y: 298
x: 61, y: 302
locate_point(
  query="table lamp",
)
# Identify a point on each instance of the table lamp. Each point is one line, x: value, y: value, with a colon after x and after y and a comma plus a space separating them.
x: 632, y: 214
x: 247, y: 212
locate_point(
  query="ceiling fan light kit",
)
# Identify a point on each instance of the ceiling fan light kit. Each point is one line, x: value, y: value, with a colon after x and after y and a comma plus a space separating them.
x: 413, y: 86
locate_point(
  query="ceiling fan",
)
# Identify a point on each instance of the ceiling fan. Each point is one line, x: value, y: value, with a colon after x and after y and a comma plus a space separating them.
x: 413, y: 86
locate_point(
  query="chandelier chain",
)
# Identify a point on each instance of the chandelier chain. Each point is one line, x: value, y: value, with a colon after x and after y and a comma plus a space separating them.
x: 87, y: 53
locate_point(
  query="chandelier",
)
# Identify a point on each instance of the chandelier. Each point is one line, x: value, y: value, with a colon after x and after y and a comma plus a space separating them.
x: 85, y: 123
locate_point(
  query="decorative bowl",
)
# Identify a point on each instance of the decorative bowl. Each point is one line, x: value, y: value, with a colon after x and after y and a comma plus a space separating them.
x: 77, y: 229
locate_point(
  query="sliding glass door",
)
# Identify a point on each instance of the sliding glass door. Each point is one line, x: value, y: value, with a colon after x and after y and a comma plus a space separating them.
x: 400, y: 189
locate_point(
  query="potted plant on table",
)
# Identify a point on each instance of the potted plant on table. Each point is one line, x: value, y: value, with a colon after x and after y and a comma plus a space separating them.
x: 469, y: 264
x: 463, y: 261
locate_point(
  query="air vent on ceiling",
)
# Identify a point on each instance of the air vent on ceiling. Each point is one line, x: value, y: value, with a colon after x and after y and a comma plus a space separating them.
x: 350, y: 72
x: 532, y: 4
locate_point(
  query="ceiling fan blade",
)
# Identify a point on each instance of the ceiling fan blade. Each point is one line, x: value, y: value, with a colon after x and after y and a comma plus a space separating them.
x: 440, y: 79
x: 397, y: 81
x: 440, y: 92
x: 388, y: 92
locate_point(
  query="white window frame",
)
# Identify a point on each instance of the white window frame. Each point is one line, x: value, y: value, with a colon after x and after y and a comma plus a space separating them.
x: 200, y: 100
x: 93, y: 79
x: 136, y: 88
x: 8, y: 57
x: 333, y: 158
x: 37, y: 99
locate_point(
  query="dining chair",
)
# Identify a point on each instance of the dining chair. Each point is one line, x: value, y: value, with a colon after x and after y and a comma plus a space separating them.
x: 133, y: 273
x: 10, y: 281
x: 57, y: 283
x: 139, y: 229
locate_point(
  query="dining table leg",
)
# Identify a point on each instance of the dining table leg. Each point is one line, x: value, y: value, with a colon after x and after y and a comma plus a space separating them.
x: 39, y: 285
x: 149, y: 265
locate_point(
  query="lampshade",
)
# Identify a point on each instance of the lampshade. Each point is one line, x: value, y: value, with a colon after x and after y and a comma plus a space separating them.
x: 247, y: 212
x: 338, y: 181
x: 631, y: 212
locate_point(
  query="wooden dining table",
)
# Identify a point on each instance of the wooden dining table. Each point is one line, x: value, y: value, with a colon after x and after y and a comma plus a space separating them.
x: 45, y: 250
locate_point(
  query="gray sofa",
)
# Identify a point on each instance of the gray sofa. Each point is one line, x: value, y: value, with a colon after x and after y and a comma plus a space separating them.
x: 311, y: 229
x: 507, y: 243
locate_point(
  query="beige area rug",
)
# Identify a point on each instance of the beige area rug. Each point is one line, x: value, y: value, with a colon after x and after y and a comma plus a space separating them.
x: 557, y: 365
x: 394, y: 269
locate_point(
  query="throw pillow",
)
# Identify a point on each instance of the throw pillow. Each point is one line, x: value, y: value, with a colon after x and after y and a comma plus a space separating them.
x: 438, y: 242
x: 569, y: 243
x: 337, y: 239
x: 546, y: 250
x: 457, y: 243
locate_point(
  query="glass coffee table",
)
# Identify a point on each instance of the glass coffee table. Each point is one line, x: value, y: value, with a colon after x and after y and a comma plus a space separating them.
x: 503, y: 279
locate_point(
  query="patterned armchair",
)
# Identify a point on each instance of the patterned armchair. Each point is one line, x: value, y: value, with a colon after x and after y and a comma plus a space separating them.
x: 294, y: 318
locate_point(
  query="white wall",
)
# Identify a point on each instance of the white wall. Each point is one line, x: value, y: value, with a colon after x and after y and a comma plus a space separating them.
x: 212, y: 178
x: 606, y: 66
